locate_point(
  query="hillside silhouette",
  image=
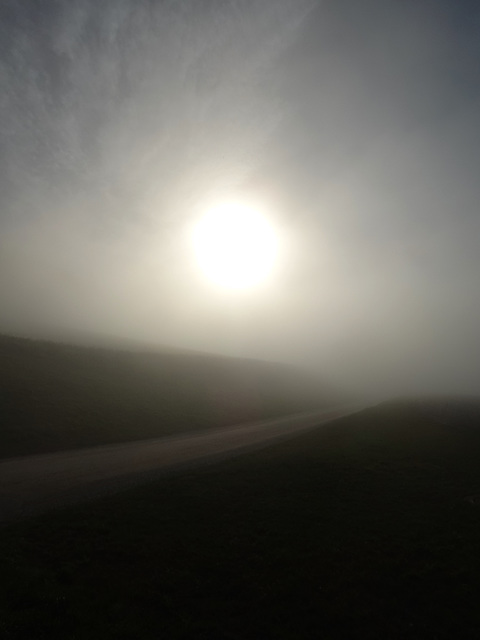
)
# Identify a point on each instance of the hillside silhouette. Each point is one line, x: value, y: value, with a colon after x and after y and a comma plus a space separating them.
x: 60, y: 396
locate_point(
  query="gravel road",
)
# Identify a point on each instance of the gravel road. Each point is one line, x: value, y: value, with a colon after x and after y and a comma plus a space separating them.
x: 33, y: 484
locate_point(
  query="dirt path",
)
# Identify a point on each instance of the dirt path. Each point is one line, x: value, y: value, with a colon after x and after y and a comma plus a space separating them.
x: 33, y: 484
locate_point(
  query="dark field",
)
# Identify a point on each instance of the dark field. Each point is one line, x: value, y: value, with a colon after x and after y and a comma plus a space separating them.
x: 55, y: 397
x: 366, y: 528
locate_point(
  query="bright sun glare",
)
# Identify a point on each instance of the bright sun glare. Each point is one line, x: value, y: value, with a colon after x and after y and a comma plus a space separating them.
x: 235, y: 246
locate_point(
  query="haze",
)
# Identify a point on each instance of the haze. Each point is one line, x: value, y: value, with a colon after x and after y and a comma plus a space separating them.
x: 355, y: 124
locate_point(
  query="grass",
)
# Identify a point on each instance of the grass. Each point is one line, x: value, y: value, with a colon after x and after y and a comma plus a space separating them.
x: 357, y: 530
x: 55, y: 397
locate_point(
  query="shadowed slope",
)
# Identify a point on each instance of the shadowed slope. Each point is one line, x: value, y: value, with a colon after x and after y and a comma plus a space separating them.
x: 55, y: 397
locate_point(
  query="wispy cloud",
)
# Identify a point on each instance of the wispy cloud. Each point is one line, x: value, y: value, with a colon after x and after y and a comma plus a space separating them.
x: 116, y: 120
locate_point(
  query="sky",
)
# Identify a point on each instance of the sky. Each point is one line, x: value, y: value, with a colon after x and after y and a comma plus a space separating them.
x: 356, y: 125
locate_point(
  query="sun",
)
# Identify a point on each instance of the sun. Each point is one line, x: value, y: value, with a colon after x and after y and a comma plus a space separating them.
x: 235, y: 245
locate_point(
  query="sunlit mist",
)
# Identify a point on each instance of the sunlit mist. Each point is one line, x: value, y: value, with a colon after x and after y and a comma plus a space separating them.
x: 289, y: 180
x: 235, y: 245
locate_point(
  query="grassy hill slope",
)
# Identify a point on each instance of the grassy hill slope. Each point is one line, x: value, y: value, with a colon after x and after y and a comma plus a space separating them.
x: 55, y: 396
x: 367, y: 528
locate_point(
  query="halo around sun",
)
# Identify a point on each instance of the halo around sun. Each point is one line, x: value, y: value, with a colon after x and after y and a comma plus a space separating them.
x: 235, y: 246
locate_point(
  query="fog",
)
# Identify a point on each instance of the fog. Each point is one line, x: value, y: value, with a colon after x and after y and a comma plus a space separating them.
x: 356, y: 125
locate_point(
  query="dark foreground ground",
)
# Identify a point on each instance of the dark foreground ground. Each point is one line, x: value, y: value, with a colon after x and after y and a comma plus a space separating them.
x: 368, y: 528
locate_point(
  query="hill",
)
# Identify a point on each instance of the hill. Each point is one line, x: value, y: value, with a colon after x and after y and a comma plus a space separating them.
x: 60, y: 396
x: 366, y: 528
